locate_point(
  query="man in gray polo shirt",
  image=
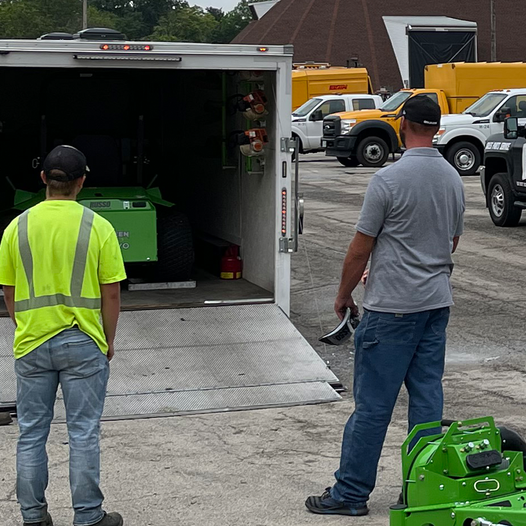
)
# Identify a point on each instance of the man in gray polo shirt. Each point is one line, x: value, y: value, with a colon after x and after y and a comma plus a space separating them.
x: 410, y: 224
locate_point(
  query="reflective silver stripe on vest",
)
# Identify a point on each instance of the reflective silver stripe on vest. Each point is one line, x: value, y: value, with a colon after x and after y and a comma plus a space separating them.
x: 77, y: 276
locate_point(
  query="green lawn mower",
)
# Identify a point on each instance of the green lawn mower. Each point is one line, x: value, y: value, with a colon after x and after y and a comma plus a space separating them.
x: 471, y: 475
x: 155, y: 239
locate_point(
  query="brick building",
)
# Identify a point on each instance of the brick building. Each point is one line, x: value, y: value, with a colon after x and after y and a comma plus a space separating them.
x: 336, y: 30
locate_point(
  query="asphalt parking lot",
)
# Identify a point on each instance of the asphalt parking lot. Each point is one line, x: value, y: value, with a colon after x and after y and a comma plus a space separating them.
x: 487, y: 322
x: 255, y: 468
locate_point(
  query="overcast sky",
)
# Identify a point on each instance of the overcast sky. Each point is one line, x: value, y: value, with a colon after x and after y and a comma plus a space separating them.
x: 226, y: 5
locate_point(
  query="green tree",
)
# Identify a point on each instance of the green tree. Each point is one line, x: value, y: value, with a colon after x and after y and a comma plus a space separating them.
x: 234, y: 22
x: 22, y: 20
x: 137, y: 19
x: 216, y: 12
x: 97, y: 18
x: 186, y: 24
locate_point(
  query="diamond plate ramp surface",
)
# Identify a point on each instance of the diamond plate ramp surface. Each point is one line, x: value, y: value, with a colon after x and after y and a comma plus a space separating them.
x: 178, y: 361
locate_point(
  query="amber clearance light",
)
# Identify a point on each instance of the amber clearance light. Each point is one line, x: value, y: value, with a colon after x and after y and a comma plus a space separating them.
x: 126, y: 47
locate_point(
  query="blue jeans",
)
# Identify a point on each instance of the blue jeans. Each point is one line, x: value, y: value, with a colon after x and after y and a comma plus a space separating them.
x: 74, y: 360
x: 391, y: 350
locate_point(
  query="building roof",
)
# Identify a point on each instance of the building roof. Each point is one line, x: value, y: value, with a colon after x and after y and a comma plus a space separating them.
x: 336, y: 30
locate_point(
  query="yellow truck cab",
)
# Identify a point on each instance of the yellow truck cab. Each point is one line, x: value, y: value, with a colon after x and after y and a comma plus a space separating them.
x: 367, y: 137
x: 313, y: 80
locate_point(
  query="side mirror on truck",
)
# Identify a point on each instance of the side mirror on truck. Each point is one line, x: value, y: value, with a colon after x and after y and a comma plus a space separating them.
x: 316, y: 116
x: 502, y: 114
x: 511, y: 128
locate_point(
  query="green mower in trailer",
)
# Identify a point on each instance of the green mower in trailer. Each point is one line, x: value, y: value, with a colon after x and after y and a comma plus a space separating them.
x: 155, y: 240
x: 471, y: 475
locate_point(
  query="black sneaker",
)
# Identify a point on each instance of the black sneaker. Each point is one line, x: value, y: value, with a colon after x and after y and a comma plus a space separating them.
x: 5, y: 419
x: 110, y: 519
x: 47, y: 522
x: 326, y: 505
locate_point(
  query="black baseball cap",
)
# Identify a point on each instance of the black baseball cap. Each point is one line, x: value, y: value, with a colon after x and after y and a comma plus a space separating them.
x: 422, y: 110
x: 68, y: 160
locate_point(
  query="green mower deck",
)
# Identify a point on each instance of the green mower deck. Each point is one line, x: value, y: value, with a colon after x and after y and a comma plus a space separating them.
x: 464, y: 477
x: 131, y: 210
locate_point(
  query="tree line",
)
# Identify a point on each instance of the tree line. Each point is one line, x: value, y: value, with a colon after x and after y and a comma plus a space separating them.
x: 167, y: 20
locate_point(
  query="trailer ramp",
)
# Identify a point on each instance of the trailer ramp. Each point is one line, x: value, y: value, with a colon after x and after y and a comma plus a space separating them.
x: 183, y: 361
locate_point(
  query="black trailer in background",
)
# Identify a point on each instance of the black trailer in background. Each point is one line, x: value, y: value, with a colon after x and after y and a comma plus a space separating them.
x: 438, y: 47
x: 422, y: 40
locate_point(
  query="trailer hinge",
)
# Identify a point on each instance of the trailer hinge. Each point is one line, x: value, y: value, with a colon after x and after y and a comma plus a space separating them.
x: 286, y: 245
x: 288, y: 144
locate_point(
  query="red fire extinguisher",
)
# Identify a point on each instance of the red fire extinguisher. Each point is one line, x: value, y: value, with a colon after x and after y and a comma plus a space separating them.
x: 231, y: 263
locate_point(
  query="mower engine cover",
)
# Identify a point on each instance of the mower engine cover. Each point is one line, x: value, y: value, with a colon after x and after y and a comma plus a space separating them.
x: 133, y: 216
x: 466, y: 476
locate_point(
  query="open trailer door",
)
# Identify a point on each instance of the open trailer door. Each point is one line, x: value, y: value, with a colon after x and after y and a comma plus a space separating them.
x: 181, y: 361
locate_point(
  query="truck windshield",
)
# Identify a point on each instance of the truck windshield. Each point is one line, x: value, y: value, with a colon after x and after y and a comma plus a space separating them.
x: 306, y: 108
x: 485, y: 105
x: 396, y: 101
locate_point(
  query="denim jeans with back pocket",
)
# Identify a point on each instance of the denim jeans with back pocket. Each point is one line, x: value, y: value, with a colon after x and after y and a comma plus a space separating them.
x: 73, y: 360
x: 391, y: 350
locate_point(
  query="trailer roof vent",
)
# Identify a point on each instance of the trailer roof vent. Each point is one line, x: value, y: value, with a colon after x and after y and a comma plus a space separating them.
x: 57, y: 36
x: 100, y: 33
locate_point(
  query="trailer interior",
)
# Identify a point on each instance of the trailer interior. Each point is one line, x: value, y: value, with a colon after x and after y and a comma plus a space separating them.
x: 154, y: 128
x: 172, y: 128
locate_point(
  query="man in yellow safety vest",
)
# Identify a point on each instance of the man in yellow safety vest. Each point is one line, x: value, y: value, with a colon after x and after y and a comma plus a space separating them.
x: 60, y: 267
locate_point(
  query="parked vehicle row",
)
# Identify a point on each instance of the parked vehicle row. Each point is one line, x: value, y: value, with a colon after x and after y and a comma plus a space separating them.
x: 307, y: 120
x: 472, y: 98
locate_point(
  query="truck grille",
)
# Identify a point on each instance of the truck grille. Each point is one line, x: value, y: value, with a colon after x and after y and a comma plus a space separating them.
x: 331, y: 127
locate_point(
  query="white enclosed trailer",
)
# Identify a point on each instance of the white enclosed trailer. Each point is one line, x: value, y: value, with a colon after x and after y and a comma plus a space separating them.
x: 223, y: 344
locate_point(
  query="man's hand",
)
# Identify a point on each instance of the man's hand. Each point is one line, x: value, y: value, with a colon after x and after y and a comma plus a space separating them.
x: 365, y: 275
x: 111, y: 306
x: 111, y: 351
x: 341, y: 305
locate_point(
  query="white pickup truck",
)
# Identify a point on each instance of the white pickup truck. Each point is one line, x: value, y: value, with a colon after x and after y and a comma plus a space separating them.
x: 307, y: 120
x: 461, y: 137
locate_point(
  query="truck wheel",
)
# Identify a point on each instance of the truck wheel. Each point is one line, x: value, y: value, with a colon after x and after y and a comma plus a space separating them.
x: 372, y: 152
x: 500, y: 202
x: 350, y: 162
x: 175, y: 249
x: 465, y: 157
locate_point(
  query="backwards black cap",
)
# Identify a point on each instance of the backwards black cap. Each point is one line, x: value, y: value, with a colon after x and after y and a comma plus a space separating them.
x: 422, y: 110
x: 68, y: 160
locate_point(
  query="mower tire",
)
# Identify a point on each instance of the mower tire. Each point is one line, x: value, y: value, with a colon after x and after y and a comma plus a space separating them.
x: 175, y: 248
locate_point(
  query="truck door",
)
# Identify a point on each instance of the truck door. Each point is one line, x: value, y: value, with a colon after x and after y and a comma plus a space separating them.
x: 362, y: 104
x: 517, y: 107
x: 315, y: 122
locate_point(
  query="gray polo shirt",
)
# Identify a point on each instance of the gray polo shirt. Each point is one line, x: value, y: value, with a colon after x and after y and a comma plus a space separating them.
x: 413, y: 208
